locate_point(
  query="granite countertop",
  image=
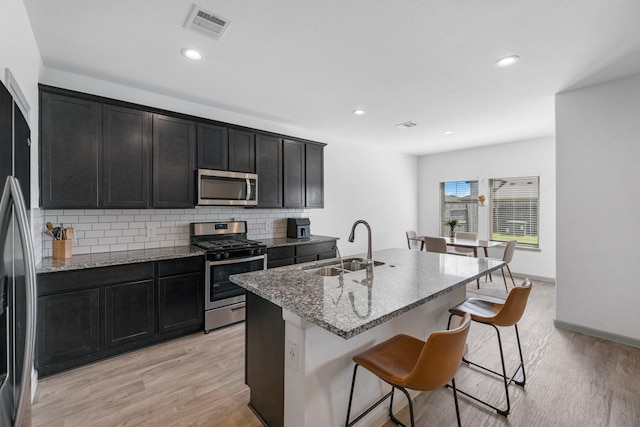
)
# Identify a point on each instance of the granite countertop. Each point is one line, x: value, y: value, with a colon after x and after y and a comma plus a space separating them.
x: 106, y: 259
x: 287, y: 241
x: 357, y: 303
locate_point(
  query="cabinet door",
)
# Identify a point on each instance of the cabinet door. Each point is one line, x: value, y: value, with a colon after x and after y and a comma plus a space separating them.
x: 128, y: 312
x: 314, y: 176
x: 269, y: 170
x: 180, y: 302
x: 242, y: 151
x: 69, y: 132
x: 294, y: 173
x: 22, y: 153
x: 126, y: 140
x: 68, y: 326
x: 213, y: 147
x: 173, y: 162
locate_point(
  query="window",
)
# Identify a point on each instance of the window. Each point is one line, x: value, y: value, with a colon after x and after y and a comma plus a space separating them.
x: 514, y: 204
x: 459, y: 200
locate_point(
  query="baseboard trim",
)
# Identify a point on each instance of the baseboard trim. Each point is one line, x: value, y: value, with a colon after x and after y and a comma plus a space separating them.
x: 634, y: 342
x: 532, y: 277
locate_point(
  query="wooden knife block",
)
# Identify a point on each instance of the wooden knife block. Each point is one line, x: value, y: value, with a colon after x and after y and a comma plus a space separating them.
x: 61, y: 249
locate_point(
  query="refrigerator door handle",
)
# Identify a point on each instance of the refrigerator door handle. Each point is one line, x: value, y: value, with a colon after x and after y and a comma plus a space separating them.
x: 13, y: 194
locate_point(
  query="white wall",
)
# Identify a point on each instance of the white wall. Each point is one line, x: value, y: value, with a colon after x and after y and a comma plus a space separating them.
x: 376, y: 185
x: 361, y: 182
x: 598, y: 156
x: 524, y: 158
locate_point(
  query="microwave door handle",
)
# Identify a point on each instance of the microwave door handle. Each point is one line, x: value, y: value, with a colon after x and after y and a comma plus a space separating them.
x: 248, y: 189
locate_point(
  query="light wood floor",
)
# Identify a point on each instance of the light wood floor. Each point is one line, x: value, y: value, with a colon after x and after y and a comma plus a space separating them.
x: 572, y: 380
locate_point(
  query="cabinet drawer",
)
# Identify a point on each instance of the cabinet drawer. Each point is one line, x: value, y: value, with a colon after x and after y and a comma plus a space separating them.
x: 53, y: 283
x: 315, y: 248
x: 280, y: 253
x: 181, y: 266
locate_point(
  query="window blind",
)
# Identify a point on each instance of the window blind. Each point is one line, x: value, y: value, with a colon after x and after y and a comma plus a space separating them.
x: 514, y: 206
x: 459, y: 200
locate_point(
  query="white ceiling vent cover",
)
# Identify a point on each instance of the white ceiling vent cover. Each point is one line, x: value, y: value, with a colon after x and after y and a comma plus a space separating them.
x: 406, y: 125
x: 205, y: 22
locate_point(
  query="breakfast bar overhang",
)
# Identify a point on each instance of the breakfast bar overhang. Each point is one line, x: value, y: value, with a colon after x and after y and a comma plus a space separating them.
x: 303, y: 327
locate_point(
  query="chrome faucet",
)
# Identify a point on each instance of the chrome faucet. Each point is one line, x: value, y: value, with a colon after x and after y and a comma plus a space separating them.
x: 352, y: 237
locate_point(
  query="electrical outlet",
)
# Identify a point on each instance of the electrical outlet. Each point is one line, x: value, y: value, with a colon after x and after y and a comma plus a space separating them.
x: 151, y: 231
x: 267, y: 225
x: 292, y: 355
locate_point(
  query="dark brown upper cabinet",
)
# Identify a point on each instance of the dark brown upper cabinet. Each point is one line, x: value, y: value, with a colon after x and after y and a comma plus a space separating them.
x: 126, y: 148
x: 213, y: 147
x: 314, y: 176
x: 294, y: 173
x: 269, y: 171
x: 242, y: 151
x: 173, y: 162
x: 69, y: 134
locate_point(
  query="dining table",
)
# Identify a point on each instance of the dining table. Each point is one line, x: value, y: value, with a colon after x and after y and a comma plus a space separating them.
x: 466, y: 243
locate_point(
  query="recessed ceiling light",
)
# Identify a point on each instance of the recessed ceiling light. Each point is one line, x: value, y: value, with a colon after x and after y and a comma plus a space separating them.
x: 358, y: 112
x: 506, y: 61
x: 192, y: 53
x: 447, y: 132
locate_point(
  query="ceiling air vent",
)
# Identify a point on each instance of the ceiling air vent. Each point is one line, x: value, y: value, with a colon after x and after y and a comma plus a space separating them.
x: 205, y: 22
x: 406, y: 125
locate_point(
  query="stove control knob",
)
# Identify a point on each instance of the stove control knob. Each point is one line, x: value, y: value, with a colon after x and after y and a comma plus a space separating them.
x: 226, y: 254
x: 252, y: 251
x: 217, y: 256
x: 258, y: 251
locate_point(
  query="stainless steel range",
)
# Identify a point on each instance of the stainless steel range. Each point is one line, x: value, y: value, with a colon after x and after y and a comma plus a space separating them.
x: 227, y: 252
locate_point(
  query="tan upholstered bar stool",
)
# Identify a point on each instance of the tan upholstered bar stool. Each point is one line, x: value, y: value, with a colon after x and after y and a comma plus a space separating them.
x: 407, y: 362
x: 497, y: 315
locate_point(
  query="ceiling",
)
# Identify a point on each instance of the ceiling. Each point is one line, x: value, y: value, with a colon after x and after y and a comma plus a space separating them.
x: 308, y: 64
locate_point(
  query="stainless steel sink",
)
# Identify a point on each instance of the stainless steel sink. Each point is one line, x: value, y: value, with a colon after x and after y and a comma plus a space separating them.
x: 347, y: 266
x: 325, y: 271
x: 356, y: 264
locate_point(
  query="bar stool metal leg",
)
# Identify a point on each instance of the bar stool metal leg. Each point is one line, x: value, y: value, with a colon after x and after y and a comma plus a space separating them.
x: 518, y: 377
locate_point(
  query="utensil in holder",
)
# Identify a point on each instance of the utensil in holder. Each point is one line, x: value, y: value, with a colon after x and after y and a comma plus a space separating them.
x: 61, y: 249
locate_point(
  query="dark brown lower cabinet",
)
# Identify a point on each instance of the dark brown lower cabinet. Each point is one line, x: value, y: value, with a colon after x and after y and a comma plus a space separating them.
x: 180, y: 302
x: 91, y: 314
x: 68, y: 326
x: 128, y: 312
x: 264, y: 359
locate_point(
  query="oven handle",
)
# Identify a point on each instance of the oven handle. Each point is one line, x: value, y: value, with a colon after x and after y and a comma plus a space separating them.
x: 235, y: 261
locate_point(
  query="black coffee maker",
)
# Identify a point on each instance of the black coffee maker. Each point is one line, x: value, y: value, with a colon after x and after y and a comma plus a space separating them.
x: 299, y: 228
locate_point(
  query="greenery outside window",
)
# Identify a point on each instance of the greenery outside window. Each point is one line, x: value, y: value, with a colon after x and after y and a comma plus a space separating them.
x: 514, y: 210
x: 459, y: 200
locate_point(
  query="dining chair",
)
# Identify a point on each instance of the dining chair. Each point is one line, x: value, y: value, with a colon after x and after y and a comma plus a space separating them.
x: 436, y: 244
x: 507, y: 256
x: 463, y: 251
x: 412, y: 239
x: 405, y: 362
x: 495, y: 314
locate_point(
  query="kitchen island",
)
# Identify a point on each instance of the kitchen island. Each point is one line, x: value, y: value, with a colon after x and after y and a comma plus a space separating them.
x: 303, y: 328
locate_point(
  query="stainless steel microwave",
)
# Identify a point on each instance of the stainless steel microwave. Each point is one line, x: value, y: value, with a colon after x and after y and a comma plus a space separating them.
x: 227, y: 188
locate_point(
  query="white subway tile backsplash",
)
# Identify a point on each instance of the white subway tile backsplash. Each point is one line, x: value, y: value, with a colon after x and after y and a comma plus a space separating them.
x: 104, y: 230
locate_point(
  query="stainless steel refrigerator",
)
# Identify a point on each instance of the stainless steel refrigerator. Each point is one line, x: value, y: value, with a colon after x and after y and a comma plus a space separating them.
x: 17, y: 291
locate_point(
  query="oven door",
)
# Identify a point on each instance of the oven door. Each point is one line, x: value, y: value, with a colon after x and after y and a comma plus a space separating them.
x: 219, y: 290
